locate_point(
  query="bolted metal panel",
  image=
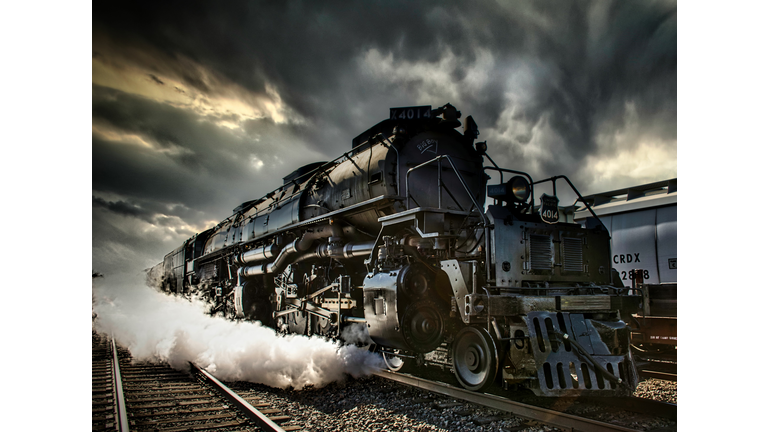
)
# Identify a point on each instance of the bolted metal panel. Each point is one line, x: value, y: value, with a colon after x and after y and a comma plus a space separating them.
x: 585, y: 303
x: 380, y: 306
x: 533, y: 252
x: 458, y: 274
x: 633, y: 243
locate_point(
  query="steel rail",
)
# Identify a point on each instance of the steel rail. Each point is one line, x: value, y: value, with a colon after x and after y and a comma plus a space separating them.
x: 247, y: 409
x: 543, y: 415
x: 666, y: 376
x: 121, y: 414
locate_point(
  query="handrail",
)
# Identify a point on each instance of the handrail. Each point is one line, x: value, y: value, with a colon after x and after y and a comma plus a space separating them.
x: 440, y: 184
x: 389, y: 144
x: 581, y: 198
x: 486, y: 222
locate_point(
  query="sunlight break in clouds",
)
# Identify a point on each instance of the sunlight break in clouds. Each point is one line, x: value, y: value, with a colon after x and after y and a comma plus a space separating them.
x: 107, y: 132
x: 632, y: 153
x: 644, y: 163
x: 183, y: 83
x: 158, y: 327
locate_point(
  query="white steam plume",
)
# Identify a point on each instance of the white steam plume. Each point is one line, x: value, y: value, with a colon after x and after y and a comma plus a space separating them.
x: 159, y: 327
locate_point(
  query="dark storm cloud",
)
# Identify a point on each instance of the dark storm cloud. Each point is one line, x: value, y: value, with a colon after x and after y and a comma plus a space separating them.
x: 123, y: 208
x: 593, y: 53
x: 192, y: 169
x: 123, y: 243
x: 156, y: 79
x: 196, y: 147
x: 578, y: 69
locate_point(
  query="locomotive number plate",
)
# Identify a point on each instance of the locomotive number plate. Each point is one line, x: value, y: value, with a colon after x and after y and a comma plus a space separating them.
x: 548, y: 210
x: 411, y: 113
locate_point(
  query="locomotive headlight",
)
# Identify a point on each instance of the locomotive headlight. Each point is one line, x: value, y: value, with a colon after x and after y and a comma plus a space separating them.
x: 519, y: 188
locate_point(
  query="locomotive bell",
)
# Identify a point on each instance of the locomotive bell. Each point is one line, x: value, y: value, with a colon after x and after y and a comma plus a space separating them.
x: 482, y: 146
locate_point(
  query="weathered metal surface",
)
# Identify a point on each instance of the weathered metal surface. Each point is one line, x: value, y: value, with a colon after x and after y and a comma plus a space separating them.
x: 459, y: 274
x: 380, y: 305
x: 656, y: 330
x: 563, y: 371
x: 528, y: 252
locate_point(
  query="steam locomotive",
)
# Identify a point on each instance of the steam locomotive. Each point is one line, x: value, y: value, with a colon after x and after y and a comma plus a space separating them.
x: 394, y: 237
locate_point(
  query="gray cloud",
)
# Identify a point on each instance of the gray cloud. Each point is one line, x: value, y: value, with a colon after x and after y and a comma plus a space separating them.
x: 156, y: 79
x: 123, y: 208
x: 551, y: 85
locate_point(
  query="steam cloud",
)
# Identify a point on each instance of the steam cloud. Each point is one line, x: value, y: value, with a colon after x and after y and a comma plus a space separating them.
x: 158, y: 327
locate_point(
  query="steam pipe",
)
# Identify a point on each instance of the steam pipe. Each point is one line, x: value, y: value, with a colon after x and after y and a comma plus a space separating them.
x: 290, y: 253
x: 286, y: 254
x: 349, y: 250
x: 255, y: 255
x: 251, y: 271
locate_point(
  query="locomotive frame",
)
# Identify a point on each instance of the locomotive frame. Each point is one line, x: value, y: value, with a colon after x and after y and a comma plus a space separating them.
x: 393, y: 238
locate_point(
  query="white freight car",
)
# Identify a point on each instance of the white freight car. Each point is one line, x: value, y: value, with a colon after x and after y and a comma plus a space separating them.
x: 642, y: 221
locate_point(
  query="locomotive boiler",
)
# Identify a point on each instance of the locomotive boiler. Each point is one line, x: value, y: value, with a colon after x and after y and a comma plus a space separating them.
x: 395, y: 237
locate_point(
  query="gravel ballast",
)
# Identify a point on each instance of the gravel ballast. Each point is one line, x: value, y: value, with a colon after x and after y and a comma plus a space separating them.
x: 375, y: 404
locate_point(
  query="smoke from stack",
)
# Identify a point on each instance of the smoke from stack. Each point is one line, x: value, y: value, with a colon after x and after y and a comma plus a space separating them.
x: 158, y: 327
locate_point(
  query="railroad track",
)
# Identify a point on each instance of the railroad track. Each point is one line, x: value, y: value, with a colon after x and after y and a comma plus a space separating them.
x: 106, y: 407
x: 658, y: 370
x: 189, y: 402
x: 552, y: 416
x: 158, y: 398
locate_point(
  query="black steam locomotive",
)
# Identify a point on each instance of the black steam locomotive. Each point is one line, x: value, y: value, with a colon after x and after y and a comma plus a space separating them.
x: 393, y: 237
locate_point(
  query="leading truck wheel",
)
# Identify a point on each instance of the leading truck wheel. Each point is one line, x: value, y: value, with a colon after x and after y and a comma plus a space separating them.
x: 475, y: 358
x: 395, y: 363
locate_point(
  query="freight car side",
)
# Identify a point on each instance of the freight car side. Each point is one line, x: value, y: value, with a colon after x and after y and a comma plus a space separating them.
x: 642, y: 221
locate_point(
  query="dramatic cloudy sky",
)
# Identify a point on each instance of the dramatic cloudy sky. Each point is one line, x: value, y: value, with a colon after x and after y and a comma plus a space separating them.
x: 199, y: 107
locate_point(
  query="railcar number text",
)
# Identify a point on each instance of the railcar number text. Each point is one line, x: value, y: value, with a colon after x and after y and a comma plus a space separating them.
x: 631, y: 274
x: 411, y: 113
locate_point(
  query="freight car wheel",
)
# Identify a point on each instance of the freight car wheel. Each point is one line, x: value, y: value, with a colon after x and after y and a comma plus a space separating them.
x: 475, y: 358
